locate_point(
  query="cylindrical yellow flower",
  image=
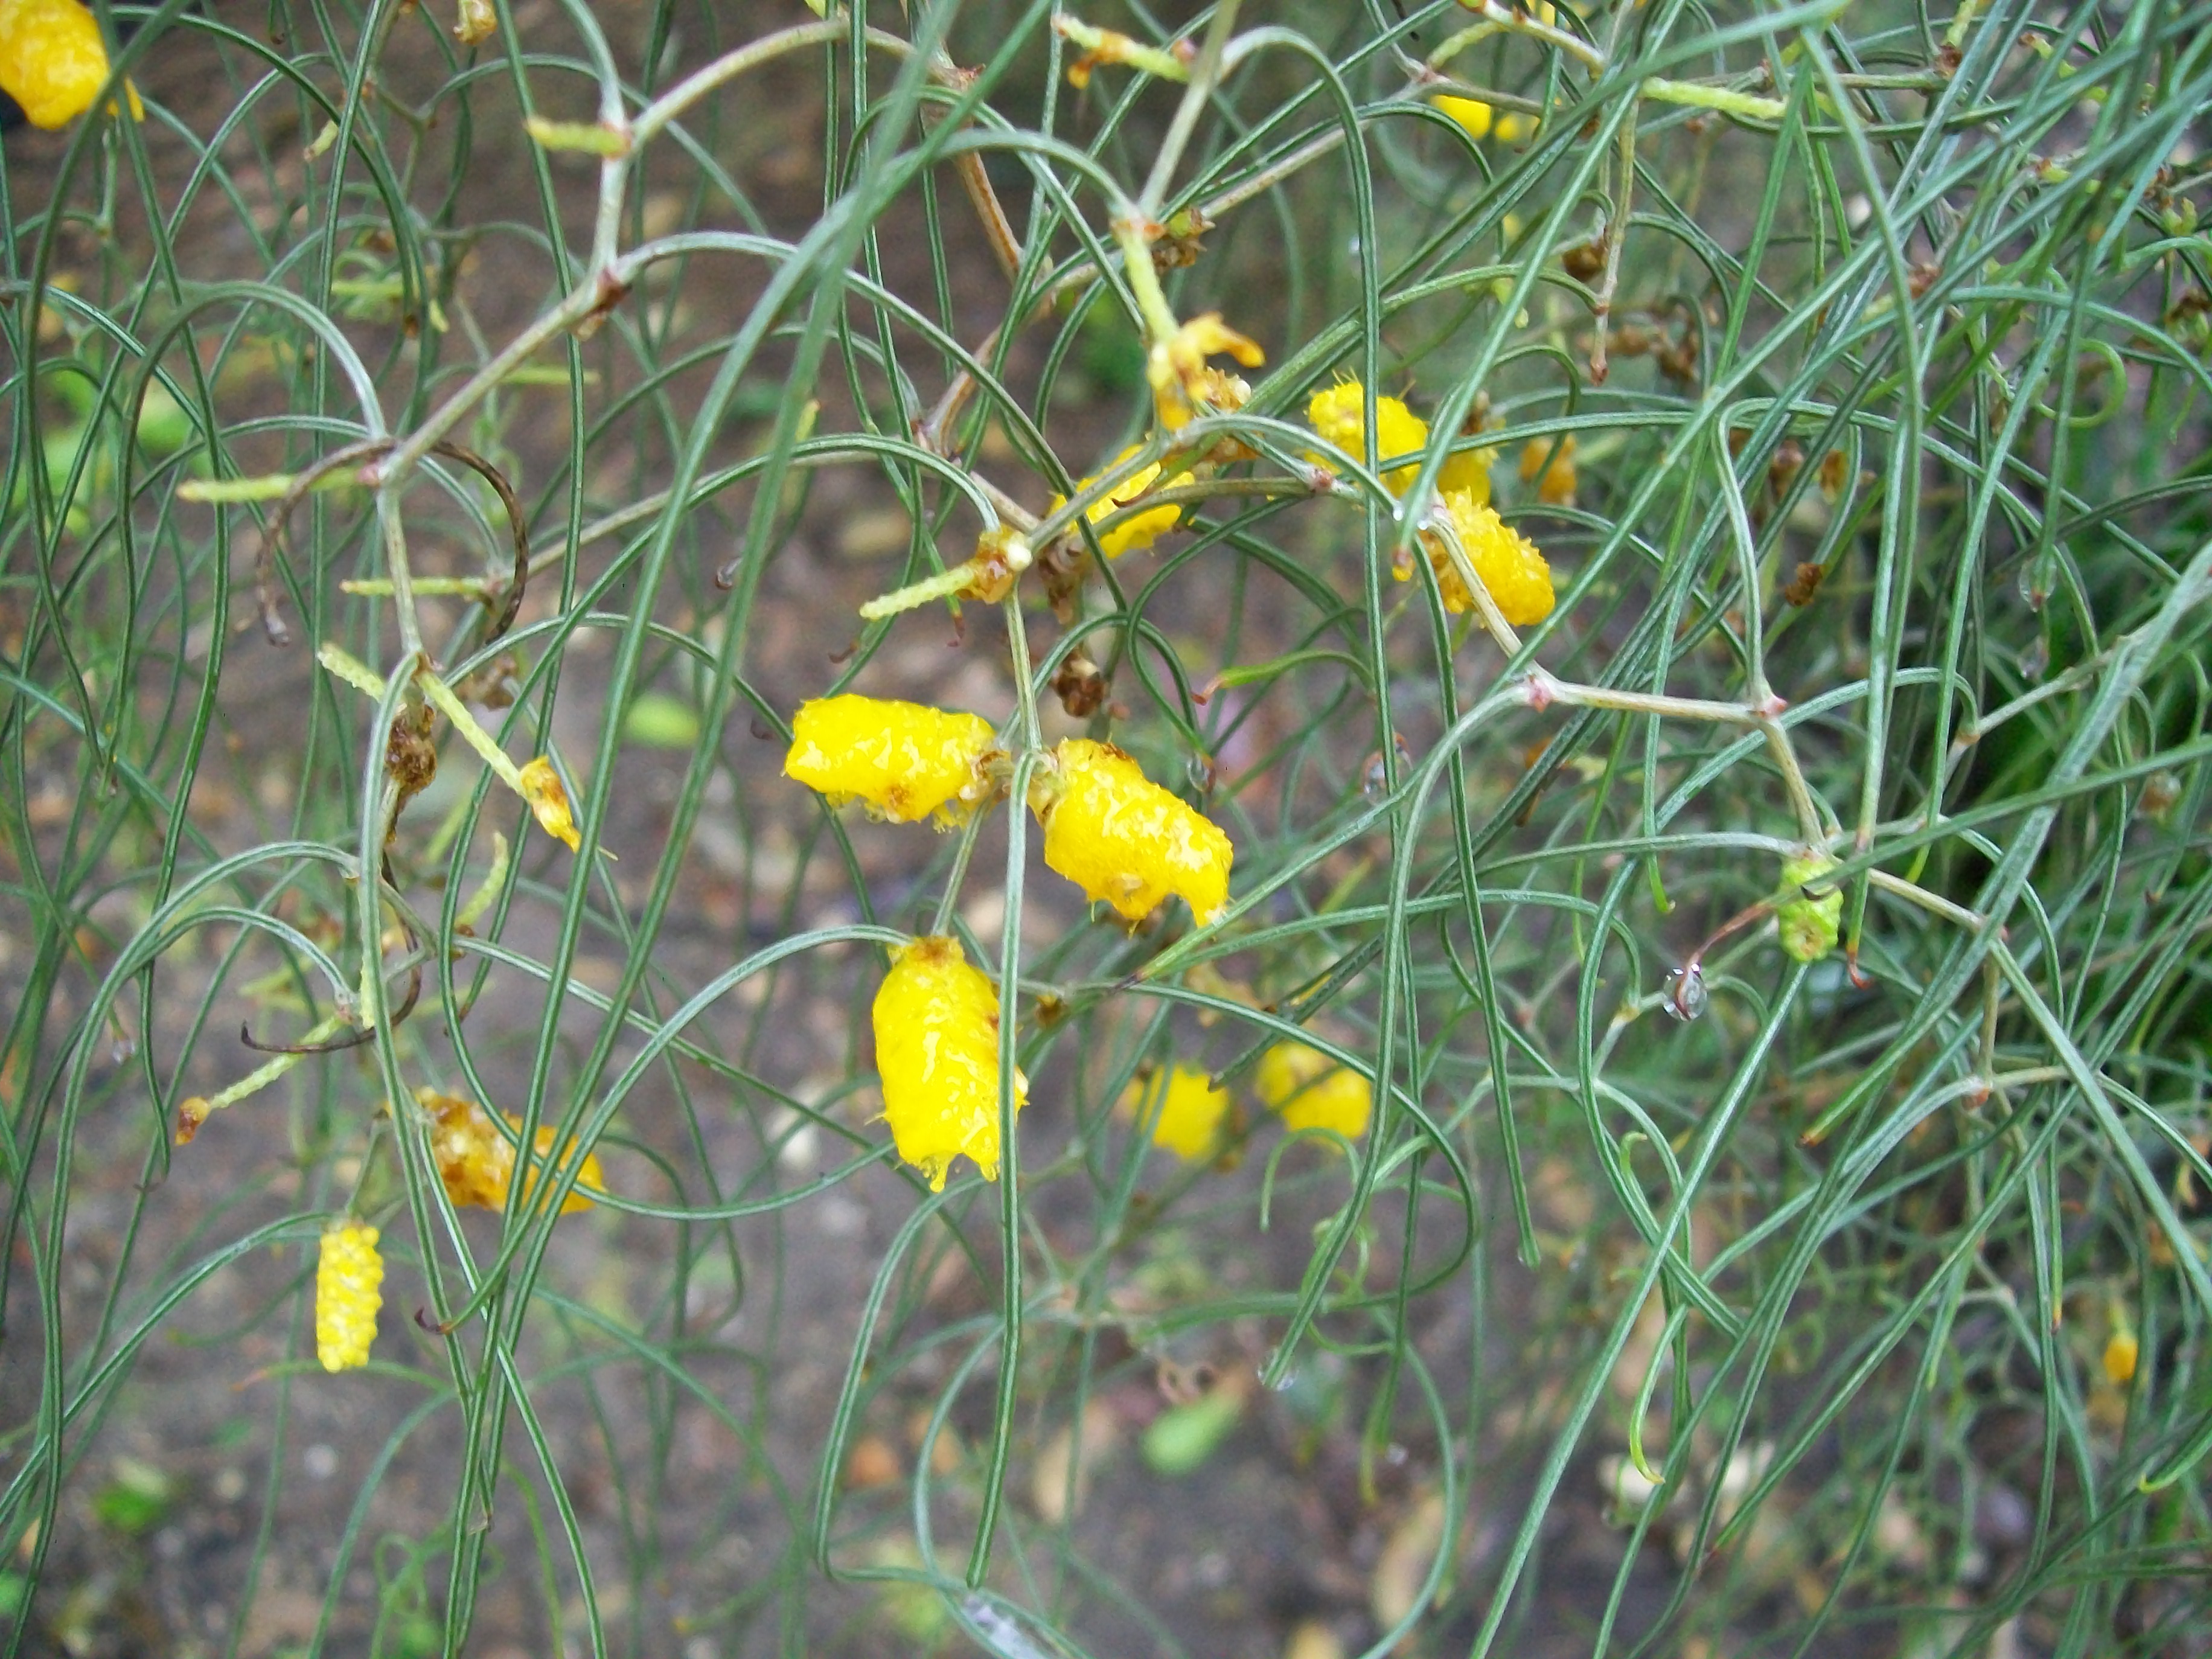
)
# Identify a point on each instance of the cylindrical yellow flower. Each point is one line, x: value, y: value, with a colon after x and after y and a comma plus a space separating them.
x: 1123, y: 839
x: 348, y: 1290
x: 1138, y: 531
x: 53, y: 61
x: 2120, y: 1353
x: 1508, y: 564
x: 1338, y: 415
x: 477, y: 1162
x: 1192, y: 1112
x: 937, y: 1051
x: 1309, y: 1090
x: 903, y: 761
x: 1471, y: 113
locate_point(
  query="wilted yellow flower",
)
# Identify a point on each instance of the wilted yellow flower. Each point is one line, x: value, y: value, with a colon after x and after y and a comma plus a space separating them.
x: 937, y: 1050
x: 1122, y: 838
x: 53, y: 60
x: 1549, y: 464
x: 477, y: 1162
x: 1183, y: 383
x: 903, y: 761
x: 1138, y: 532
x: 1337, y: 414
x: 1809, y: 927
x: 2120, y: 1354
x: 1309, y: 1090
x: 1509, y: 565
x: 477, y: 23
x: 348, y: 1290
x: 1191, y: 1111
x: 549, y: 801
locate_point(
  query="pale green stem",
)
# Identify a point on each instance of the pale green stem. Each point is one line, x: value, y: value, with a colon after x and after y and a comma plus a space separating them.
x: 441, y: 697
x: 1520, y: 22
x: 262, y: 1075
x: 268, y: 487
x: 1459, y: 43
x: 352, y: 669
x: 1699, y: 95
x: 1204, y: 75
x: 1119, y: 48
x: 1934, y: 904
x: 1809, y: 822
x: 1543, y: 688
x: 472, y: 588
x: 947, y: 584
x: 1159, y: 320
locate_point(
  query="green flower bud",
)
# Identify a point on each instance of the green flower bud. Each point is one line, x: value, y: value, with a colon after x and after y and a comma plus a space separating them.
x: 1809, y: 925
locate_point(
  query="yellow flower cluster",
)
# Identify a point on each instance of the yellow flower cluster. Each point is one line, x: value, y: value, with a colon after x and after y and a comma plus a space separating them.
x: 1339, y: 414
x: 1139, y: 531
x: 1309, y: 1090
x: 53, y: 61
x: 477, y: 1162
x: 1508, y: 564
x: 904, y: 761
x: 1109, y: 829
x: 348, y: 1290
x: 1187, y: 1113
x: 1549, y: 464
x: 1122, y: 838
x: 937, y: 1049
x: 1480, y: 121
x: 1191, y: 1118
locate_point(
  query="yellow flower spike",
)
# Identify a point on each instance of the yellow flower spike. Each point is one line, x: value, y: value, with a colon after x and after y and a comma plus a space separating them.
x: 903, y: 761
x: 1183, y: 384
x: 348, y: 1290
x: 937, y: 1050
x: 549, y: 802
x: 1471, y: 113
x: 1507, y: 563
x: 477, y: 1162
x: 1549, y: 464
x: 53, y: 60
x: 1192, y: 1113
x: 1338, y: 415
x: 1137, y: 532
x: 1123, y: 839
x: 1309, y: 1090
